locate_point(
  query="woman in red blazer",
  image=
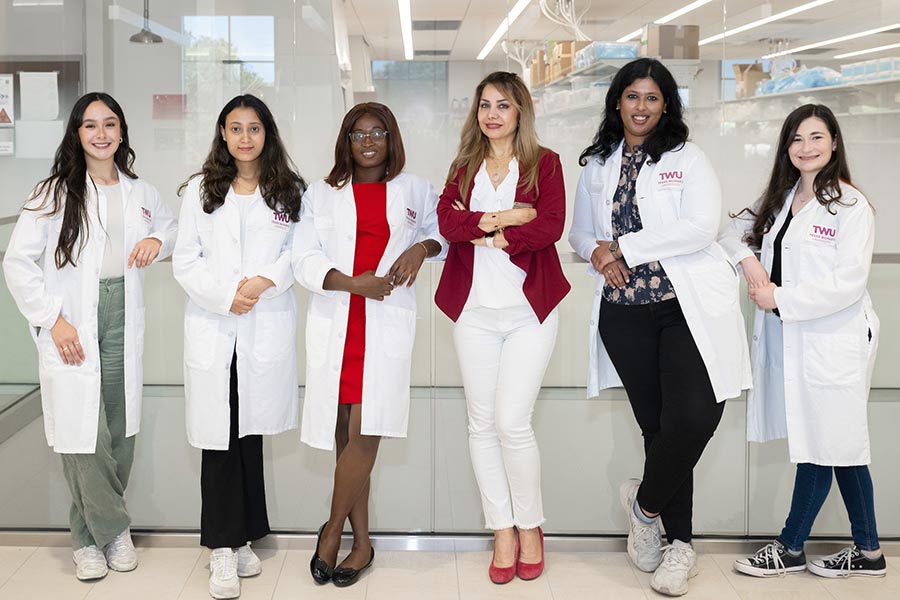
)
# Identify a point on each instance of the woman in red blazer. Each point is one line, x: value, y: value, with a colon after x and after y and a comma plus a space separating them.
x: 502, y: 210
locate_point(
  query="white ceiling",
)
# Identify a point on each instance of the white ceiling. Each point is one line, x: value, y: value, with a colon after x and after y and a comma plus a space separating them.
x: 378, y: 21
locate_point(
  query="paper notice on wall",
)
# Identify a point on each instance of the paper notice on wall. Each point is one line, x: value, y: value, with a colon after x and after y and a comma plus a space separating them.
x: 38, y: 139
x: 38, y: 96
x: 7, y: 141
x: 6, y: 101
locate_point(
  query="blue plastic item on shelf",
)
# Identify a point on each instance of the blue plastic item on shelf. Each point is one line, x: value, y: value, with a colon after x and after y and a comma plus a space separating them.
x: 801, y: 80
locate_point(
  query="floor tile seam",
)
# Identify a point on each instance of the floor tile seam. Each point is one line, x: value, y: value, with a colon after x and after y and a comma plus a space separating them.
x: 721, y: 569
x: 191, y: 572
x: 284, y: 556
x: 456, y: 568
x: 16, y: 570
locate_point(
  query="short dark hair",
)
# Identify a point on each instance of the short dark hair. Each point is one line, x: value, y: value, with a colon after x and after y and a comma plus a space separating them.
x: 342, y: 172
x: 670, y: 133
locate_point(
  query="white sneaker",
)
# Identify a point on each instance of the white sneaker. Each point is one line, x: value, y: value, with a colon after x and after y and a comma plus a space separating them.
x: 248, y: 563
x: 89, y: 563
x: 120, y: 553
x: 644, y: 544
x: 679, y: 563
x: 223, y: 577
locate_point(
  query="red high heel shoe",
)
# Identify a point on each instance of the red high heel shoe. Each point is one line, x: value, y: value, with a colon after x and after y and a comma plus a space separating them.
x: 504, y: 575
x: 528, y: 571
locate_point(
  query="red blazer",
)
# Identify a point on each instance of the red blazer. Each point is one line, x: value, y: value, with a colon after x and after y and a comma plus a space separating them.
x: 531, y: 246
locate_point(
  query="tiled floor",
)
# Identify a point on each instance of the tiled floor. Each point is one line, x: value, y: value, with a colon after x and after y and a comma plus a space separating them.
x: 47, y: 573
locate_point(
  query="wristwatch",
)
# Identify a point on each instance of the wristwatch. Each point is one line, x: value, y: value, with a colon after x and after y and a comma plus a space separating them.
x: 614, y: 248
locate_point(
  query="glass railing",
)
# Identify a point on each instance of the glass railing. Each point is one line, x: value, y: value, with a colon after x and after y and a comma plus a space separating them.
x: 424, y: 483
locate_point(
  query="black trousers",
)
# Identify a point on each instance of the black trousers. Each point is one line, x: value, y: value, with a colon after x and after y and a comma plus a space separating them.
x: 232, y: 489
x: 672, y: 399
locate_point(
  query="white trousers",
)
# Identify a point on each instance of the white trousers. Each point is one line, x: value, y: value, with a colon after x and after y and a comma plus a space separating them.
x: 503, y: 354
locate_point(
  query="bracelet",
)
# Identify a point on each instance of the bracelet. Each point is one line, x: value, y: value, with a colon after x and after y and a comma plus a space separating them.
x: 426, y: 248
x: 489, y: 241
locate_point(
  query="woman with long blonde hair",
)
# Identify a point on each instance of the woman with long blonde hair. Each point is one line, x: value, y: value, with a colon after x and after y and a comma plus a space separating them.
x: 502, y: 210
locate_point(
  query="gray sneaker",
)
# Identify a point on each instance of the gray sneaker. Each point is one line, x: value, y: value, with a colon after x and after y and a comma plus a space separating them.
x: 644, y: 543
x: 89, y: 563
x: 248, y: 563
x: 120, y: 553
x: 679, y: 564
x: 223, y: 577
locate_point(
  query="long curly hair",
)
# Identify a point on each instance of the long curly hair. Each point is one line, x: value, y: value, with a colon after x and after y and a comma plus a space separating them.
x: 474, y: 146
x: 342, y: 171
x: 670, y: 133
x: 827, y: 183
x: 279, y: 183
x: 66, y: 188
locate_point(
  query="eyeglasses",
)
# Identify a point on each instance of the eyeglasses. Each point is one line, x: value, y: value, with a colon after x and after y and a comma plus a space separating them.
x: 376, y: 136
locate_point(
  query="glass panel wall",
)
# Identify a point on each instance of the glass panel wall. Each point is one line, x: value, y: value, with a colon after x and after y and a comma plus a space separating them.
x: 312, y: 60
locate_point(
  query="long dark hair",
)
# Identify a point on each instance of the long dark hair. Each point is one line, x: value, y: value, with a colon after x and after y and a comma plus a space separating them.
x: 279, y: 183
x: 827, y: 184
x: 474, y: 146
x: 670, y: 133
x: 66, y: 187
x: 342, y: 171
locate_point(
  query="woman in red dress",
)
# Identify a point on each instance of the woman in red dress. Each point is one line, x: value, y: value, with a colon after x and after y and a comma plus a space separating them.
x: 364, y: 232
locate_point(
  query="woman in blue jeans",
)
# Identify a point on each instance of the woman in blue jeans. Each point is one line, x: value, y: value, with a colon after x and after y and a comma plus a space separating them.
x: 814, y: 338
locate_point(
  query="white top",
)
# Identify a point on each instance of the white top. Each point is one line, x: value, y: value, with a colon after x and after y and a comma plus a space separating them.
x: 114, y: 253
x: 496, y: 281
x: 244, y: 201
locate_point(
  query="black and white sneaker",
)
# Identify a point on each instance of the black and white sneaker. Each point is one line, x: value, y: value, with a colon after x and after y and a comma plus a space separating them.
x: 849, y: 562
x: 770, y: 561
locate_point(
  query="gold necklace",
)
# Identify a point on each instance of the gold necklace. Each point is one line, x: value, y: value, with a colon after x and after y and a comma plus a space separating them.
x: 243, y: 189
x: 497, y: 169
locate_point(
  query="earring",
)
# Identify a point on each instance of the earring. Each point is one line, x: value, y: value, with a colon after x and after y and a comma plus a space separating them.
x: 121, y: 140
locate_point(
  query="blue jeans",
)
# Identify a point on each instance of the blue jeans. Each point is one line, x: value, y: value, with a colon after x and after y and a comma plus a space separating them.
x: 810, y: 490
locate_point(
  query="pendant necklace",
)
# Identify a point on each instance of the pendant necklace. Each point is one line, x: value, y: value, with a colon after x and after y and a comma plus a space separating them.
x: 495, y: 175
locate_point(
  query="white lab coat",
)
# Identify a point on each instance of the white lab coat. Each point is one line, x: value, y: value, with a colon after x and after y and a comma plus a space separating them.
x: 325, y: 239
x: 680, y: 203
x: 70, y: 395
x: 827, y: 316
x: 209, y: 261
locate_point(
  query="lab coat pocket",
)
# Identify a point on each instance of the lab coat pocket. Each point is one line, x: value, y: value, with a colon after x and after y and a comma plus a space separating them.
x: 205, y: 233
x: 200, y: 342
x: 275, y: 332
x: 398, y: 331
x: 717, y: 287
x: 318, y: 335
x: 832, y: 360
x: 47, y: 351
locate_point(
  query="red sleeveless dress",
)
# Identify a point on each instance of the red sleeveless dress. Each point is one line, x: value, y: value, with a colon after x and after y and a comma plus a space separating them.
x: 372, y: 235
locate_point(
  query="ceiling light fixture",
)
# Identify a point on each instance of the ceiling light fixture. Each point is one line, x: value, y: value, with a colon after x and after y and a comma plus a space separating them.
x: 503, y: 27
x: 145, y: 36
x: 868, y: 51
x: 836, y: 40
x: 406, y: 28
x: 764, y: 21
x: 669, y: 17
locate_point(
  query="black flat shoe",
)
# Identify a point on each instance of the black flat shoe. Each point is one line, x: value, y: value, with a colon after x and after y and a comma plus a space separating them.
x: 319, y: 569
x: 344, y: 576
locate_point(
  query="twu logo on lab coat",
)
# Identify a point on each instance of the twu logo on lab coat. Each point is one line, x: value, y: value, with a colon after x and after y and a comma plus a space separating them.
x: 822, y: 233
x: 671, y: 179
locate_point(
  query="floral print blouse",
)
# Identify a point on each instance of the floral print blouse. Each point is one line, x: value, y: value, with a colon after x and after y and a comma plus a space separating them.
x: 648, y: 282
